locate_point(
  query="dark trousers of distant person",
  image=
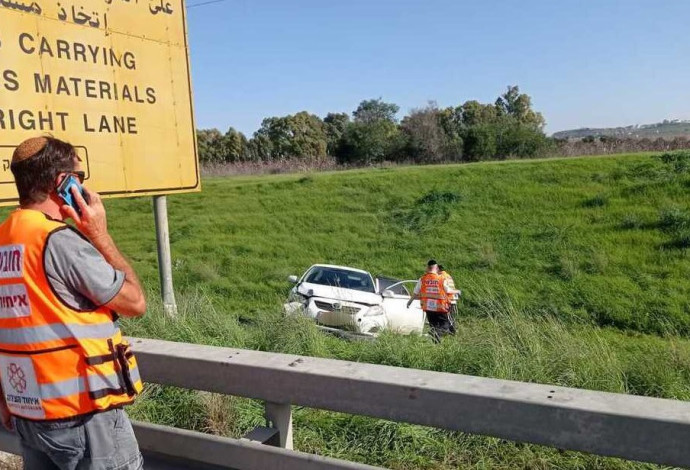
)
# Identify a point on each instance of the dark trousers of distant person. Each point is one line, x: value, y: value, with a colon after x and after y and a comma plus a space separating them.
x: 452, y: 316
x: 440, y: 325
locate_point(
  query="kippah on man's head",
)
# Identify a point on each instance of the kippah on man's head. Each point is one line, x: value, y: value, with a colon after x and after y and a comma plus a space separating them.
x: 36, y: 163
x: 29, y: 148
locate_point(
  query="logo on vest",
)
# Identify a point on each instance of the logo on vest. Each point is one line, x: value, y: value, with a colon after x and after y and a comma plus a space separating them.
x: 22, y: 391
x: 17, y: 378
x: 11, y: 261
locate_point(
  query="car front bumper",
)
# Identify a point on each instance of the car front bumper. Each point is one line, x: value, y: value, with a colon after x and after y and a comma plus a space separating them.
x: 334, y: 314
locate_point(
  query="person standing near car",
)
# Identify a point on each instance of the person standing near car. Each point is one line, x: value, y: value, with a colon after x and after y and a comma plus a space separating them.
x: 65, y: 369
x: 453, y: 295
x: 432, y: 292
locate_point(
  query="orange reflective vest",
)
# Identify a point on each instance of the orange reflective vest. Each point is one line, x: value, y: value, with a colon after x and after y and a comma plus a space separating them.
x: 451, y: 284
x: 55, y: 362
x: 432, y: 294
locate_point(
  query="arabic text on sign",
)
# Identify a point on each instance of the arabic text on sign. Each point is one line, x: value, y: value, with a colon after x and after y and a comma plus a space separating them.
x: 33, y: 7
x: 161, y: 8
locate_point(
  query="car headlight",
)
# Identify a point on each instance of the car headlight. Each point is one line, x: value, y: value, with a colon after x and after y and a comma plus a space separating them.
x: 297, y: 297
x: 374, y: 311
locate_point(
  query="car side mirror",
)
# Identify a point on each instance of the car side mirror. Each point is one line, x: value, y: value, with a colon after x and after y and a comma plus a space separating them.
x: 293, y: 279
x: 388, y: 294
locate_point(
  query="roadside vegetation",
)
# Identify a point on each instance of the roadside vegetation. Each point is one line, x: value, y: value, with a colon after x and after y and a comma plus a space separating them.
x: 575, y: 272
x: 374, y: 135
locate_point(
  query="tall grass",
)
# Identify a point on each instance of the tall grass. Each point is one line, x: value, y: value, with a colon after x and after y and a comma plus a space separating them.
x: 502, y: 340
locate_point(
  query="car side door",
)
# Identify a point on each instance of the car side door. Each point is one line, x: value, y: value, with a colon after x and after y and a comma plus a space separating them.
x: 401, y: 319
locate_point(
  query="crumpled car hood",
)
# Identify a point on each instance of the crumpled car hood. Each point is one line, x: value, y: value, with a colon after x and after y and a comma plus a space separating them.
x: 339, y: 293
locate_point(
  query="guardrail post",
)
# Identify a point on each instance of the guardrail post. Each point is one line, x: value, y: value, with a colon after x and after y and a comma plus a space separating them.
x: 279, y: 416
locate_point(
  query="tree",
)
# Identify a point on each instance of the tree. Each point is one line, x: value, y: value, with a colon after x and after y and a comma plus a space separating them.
x: 474, y: 113
x: 480, y: 142
x: 309, y: 139
x: 371, y: 111
x: 215, y: 147
x: 427, y: 138
x: 334, y: 126
x: 367, y: 143
x: 259, y: 148
x: 519, y: 106
x: 210, y: 145
x: 373, y: 136
x: 301, y: 135
x: 235, y: 146
x: 515, y: 139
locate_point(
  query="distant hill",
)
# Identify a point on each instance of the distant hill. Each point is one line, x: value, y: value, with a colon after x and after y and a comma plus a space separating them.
x: 666, y: 129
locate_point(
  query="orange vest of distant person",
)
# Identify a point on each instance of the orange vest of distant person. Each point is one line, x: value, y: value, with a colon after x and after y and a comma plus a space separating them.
x: 55, y: 362
x: 432, y: 294
x: 451, y: 284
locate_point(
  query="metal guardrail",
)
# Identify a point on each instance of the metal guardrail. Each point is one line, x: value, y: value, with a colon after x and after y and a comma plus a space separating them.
x: 632, y: 427
x: 167, y: 448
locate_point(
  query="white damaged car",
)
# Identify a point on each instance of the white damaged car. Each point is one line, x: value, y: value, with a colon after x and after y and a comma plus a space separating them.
x: 349, y: 299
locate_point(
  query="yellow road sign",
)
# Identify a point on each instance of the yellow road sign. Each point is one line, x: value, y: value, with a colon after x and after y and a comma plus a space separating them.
x: 111, y: 77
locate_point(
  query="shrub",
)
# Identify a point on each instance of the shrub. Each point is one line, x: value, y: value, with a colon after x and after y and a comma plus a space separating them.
x: 676, y: 223
x: 599, y: 200
x: 431, y: 209
x: 631, y: 221
x: 678, y: 161
x: 674, y: 219
x: 522, y: 141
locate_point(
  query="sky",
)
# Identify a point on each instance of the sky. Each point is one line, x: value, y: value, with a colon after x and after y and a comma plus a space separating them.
x: 594, y: 63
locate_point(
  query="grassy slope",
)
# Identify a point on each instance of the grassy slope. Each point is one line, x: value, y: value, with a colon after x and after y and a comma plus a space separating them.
x: 575, y: 238
x: 568, y: 273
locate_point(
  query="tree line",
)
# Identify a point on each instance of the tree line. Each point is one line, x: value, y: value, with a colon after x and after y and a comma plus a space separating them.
x: 372, y: 133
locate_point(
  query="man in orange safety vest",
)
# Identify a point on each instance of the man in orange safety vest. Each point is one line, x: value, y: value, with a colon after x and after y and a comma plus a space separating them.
x: 452, y: 298
x: 65, y: 369
x: 433, y: 291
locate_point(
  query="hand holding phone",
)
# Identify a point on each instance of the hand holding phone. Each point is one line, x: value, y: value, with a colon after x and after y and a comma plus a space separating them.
x: 64, y: 190
x: 86, y: 209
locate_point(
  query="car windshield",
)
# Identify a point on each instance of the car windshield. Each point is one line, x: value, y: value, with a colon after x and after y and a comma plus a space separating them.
x: 335, y: 277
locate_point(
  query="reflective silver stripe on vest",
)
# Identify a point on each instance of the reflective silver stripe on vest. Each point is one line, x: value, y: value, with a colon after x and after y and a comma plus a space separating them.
x: 433, y: 296
x: 100, y: 382
x: 63, y: 389
x: 56, y: 331
x: 78, y: 385
x: 134, y: 374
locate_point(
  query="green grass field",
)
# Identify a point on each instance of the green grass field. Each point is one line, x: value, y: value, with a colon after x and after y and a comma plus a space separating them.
x: 575, y: 272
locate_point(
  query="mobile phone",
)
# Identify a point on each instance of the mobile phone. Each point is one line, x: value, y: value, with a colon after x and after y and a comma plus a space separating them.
x: 64, y: 190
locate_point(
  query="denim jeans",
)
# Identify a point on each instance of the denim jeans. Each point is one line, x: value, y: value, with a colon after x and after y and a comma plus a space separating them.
x: 102, y: 441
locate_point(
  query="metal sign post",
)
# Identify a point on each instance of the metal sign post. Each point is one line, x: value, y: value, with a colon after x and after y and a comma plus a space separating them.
x: 160, y: 212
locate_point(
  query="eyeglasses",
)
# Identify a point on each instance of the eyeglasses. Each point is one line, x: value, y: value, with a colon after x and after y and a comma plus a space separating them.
x: 80, y: 175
